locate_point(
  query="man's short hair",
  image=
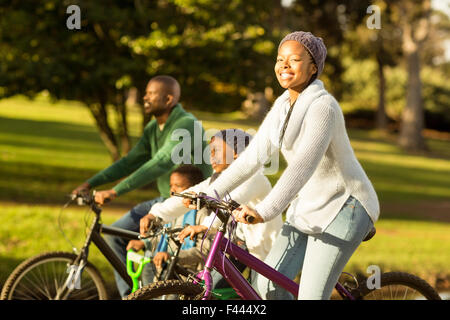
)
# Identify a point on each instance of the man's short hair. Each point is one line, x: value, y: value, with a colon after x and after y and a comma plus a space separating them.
x: 191, y: 172
x: 171, y: 84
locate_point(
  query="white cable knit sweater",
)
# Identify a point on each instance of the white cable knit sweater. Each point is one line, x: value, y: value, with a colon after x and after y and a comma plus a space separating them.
x: 322, y: 169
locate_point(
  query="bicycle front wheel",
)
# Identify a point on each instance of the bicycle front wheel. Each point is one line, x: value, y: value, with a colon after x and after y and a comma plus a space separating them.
x: 175, y: 289
x: 399, y: 286
x: 43, y: 277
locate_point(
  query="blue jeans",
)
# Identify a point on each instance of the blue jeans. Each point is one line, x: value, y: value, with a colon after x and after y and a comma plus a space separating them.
x: 320, y: 257
x: 129, y: 221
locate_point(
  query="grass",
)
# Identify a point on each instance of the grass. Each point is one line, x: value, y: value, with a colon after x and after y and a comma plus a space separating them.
x: 47, y: 149
x: 418, y: 247
x: 27, y: 230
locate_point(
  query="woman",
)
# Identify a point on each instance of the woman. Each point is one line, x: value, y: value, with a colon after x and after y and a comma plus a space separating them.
x: 333, y: 205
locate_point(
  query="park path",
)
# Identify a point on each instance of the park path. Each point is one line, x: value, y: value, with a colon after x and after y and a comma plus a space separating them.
x: 427, y: 210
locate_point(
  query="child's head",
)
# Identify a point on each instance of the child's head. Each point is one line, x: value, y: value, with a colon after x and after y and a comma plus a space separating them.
x: 225, y: 147
x: 184, y: 177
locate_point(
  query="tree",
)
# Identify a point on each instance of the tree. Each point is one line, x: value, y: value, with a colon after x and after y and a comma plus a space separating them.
x: 217, y: 50
x: 330, y: 20
x: 383, y: 45
x: 39, y: 52
x: 414, y: 20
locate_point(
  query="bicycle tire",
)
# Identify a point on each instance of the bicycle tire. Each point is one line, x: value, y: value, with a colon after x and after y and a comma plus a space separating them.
x: 184, y: 290
x: 390, y: 282
x: 34, y: 269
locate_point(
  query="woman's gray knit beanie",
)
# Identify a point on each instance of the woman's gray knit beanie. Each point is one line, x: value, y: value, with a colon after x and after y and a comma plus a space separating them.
x: 313, y: 44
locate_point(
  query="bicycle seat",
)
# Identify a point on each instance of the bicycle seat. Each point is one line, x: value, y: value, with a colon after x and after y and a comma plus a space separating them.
x: 370, y: 234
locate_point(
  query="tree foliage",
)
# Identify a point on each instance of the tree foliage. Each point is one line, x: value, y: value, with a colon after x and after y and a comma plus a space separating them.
x: 90, y: 65
x: 220, y: 51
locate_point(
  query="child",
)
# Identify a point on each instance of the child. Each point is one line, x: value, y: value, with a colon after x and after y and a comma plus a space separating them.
x: 225, y: 146
x: 181, y: 178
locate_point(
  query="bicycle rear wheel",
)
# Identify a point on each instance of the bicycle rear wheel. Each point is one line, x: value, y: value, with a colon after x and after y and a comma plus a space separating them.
x: 43, y: 277
x: 399, y: 286
x: 176, y: 289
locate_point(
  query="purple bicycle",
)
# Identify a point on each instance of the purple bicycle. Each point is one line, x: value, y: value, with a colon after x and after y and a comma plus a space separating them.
x: 392, y: 285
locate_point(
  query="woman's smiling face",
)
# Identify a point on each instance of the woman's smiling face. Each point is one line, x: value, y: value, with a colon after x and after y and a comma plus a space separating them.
x: 294, y: 66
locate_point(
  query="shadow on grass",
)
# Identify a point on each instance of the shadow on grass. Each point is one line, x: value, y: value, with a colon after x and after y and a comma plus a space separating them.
x: 31, y: 175
x: 29, y: 182
x: 47, y: 129
x: 54, y: 136
x: 437, y: 148
x: 25, y: 182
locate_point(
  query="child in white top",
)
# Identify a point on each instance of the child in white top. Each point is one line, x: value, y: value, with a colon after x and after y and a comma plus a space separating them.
x: 225, y: 147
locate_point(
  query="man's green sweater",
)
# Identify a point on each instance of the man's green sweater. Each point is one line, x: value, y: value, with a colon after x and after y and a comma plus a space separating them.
x: 151, y: 158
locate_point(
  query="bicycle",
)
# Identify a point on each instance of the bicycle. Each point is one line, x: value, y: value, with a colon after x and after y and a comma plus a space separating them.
x: 170, y: 269
x: 63, y: 275
x: 198, y: 287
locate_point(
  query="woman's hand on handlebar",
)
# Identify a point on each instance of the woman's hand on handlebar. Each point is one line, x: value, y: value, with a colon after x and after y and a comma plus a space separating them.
x: 247, y: 215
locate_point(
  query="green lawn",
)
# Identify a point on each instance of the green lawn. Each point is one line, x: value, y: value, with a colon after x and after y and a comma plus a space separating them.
x: 48, y: 149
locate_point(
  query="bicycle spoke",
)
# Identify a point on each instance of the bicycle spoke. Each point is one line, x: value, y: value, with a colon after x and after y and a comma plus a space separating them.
x: 38, y: 288
x: 25, y: 294
x: 406, y: 294
x: 394, y: 292
x: 25, y: 291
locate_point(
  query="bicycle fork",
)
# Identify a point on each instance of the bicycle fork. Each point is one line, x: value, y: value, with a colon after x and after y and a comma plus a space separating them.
x: 75, y: 269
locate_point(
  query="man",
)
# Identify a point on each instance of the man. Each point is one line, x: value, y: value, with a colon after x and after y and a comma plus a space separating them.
x: 149, y: 160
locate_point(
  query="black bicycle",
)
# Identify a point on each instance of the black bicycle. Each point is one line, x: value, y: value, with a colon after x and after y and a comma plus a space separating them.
x: 68, y: 276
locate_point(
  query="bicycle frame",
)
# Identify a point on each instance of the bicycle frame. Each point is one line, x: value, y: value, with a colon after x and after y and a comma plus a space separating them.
x: 217, y: 259
x: 94, y: 236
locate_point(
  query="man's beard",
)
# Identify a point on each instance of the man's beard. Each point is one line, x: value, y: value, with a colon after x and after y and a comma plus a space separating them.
x: 156, y: 112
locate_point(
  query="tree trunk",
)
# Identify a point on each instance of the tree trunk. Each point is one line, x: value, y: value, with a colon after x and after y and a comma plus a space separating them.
x: 125, y: 143
x: 381, y: 118
x: 413, y: 115
x: 122, y: 125
x: 106, y: 134
x: 415, y: 31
